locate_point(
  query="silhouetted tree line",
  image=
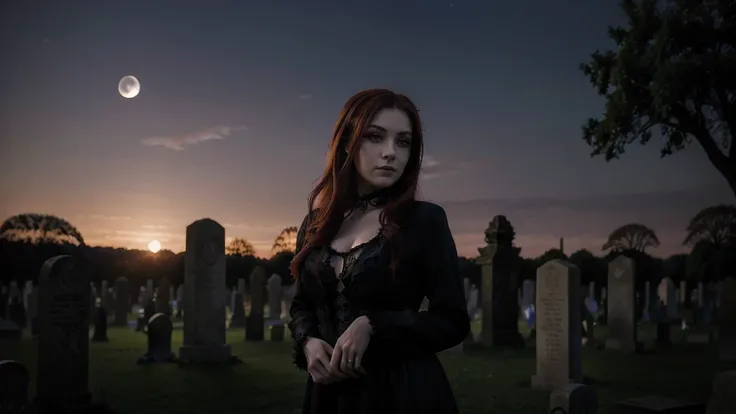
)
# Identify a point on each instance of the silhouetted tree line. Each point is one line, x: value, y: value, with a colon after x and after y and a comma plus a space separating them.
x: 27, y: 241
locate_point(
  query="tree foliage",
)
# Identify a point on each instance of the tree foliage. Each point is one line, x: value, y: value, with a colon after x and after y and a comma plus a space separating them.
x: 716, y: 224
x: 240, y: 247
x: 286, y: 241
x: 632, y: 236
x: 40, y: 228
x: 673, y: 70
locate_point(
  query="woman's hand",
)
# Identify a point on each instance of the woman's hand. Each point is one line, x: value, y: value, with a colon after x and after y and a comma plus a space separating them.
x: 348, y: 353
x: 318, y: 354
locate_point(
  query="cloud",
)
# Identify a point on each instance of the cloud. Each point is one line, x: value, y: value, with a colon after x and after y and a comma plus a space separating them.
x: 305, y: 96
x: 179, y: 142
x: 433, y: 168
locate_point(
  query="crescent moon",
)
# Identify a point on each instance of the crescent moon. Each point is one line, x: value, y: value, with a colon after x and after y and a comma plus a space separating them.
x: 129, y: 87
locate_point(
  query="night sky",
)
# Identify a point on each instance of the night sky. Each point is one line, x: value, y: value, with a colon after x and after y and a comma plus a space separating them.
x: 238, y: 100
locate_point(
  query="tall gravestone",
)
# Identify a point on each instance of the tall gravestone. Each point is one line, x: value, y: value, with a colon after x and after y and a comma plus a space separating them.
x: 499, y: 261
x: 163, y: 298
x: 254, y: 327
x: 204, y: 294
x: 559, y: 327
x: 621, y: 304
x: 727, y: 321
x: 63, y: 338
x: 274, y: 297
x: 122, y: 302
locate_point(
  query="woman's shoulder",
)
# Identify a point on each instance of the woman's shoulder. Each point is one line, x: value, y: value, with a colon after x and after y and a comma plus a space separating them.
x: 428, y: 213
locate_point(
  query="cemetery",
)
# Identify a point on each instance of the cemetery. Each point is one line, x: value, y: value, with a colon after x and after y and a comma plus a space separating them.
x: 548, y: 344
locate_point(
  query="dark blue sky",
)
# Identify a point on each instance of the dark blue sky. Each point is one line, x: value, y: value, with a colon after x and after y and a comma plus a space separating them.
x: 238, y: 99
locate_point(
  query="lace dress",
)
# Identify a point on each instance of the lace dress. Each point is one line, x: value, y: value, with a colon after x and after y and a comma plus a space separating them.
x: 403, y: 373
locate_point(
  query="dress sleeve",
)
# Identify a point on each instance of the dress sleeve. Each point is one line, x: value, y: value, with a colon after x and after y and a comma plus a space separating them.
x: 446, y: 322
x: 303, y: 322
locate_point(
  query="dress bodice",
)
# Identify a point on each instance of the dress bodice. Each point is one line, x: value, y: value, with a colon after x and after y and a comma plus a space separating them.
x: 337, y: 286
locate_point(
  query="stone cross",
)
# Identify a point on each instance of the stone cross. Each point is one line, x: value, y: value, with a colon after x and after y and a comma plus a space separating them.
x: 63, y: 338
x: 204, y: 294
x: 559, y: 326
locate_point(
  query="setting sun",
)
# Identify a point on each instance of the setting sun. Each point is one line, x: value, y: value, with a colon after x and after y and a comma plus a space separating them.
x: 154, y: 246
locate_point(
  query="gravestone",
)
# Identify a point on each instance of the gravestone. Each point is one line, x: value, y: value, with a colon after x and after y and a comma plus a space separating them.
x: 254, y: 329
x: 63, y: 337
x: 238, y: 318
x: 159, y: 340
x: 723, y: 396
x: 100, y: 330
x: 558, y: 326
x: 727, y: 321
x: 32, y: 311
x: 14, y: 381
x: 179, y: 301
x: 528, y: 294
x: 277, y: 331
x: 573, y: 399
x: 204, y: 294
x: 122, y: 302
x: 621, y: 305
x: 500, y: 262
x: 163, y: 299
x: 17, y: 312
x: 274, y: 297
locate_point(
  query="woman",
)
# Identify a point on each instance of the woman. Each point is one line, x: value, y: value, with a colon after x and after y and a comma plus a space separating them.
x: 367, y: 254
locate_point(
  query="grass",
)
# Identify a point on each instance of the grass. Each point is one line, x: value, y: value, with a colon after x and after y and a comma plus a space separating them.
x: 485, y: 380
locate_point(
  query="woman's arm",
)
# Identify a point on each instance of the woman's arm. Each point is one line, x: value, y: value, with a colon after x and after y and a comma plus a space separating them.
x: 303, y: 322
x: 446, y: 322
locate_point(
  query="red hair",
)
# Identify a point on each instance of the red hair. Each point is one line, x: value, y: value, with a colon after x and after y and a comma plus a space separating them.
x: 336, y: 191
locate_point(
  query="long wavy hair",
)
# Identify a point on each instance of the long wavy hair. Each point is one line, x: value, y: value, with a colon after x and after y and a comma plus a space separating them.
x: 336, y: 191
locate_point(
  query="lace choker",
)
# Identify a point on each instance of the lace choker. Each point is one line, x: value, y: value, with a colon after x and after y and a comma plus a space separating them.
x: 373, y: 199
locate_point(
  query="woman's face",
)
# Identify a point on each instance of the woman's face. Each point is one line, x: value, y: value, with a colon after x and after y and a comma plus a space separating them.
x: 384, y: 150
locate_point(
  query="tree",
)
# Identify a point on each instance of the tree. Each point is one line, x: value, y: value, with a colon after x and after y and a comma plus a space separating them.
x: 673, y: 69
x: 631, y: 237
x: 40, y: 228
x: 240, y: 247
x: 286, y: 241
x: 592, y: 268
x: 716, y: 225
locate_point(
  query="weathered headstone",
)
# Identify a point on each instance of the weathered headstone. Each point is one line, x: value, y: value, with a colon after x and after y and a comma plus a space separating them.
x: 573, y: 399
x: 238, y: 318
x: 32, y: 312
x: 254, y: 329
x: 163, y: 300
x: 63, y: 338
x: 621, y: 305
x: 100, y: 330
x: 274, y: 297
x: 204, y: 295
x: 159, y: 340
x: 500, y: 262
x: 122, y: 301
x: 14, y: 381
x: 558, y: 326
x: 727, y: 321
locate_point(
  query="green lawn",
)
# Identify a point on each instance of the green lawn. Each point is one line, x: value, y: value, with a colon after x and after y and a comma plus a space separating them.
x: 485, y: 381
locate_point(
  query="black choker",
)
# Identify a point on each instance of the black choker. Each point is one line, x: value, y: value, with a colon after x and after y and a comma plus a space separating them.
x: 373, y: 199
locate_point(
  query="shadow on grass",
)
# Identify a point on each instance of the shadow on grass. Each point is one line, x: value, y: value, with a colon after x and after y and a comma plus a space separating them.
x: 484, y: 380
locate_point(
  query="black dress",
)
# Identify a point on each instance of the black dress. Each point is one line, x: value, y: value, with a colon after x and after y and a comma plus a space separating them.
x: 404, y: 374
